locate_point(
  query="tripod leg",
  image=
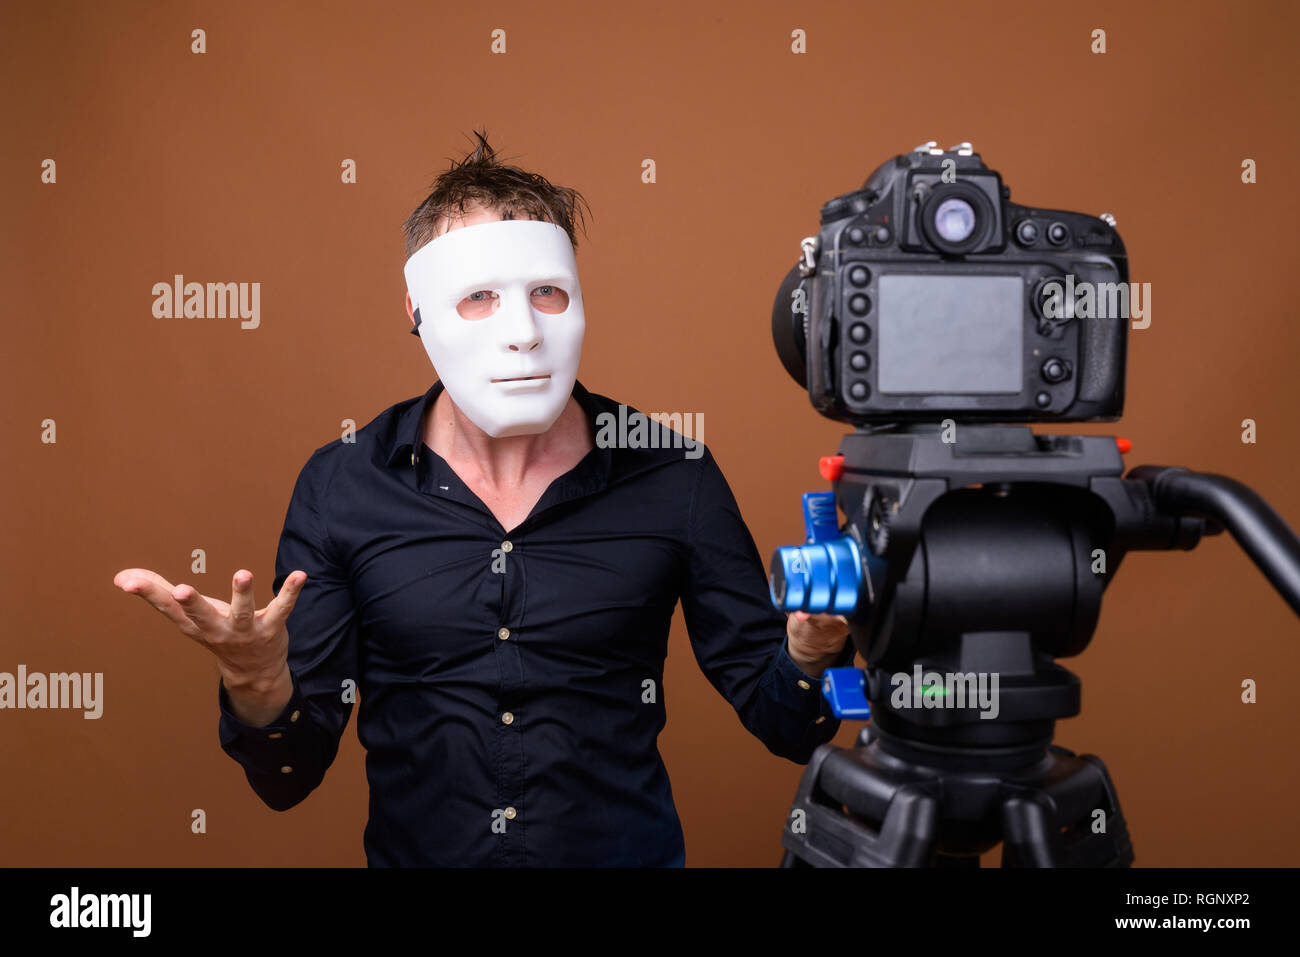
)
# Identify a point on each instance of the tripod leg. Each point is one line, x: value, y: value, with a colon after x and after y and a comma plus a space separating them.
x: 1121, y: 843
x: 1072, y: 820
x: 1029, y: 831
x: 890, y: 823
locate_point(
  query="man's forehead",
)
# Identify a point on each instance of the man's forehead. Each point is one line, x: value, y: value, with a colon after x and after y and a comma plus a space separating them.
x: 472, y: 215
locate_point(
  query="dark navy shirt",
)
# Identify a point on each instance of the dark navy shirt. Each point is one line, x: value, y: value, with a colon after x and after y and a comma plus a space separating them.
x: 510, y: 681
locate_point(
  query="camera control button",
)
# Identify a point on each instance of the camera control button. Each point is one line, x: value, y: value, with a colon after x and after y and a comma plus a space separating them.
x: 1027, y: 232
x: 1057, y: 234
x: 857, y: 235
x: 1043, y: 400
x: 1056, y: 370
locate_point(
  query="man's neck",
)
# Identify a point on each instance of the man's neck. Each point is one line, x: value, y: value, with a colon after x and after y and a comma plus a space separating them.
x: 502, y: 463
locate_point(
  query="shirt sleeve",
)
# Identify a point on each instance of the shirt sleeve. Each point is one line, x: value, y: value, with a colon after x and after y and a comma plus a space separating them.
x: 286, y: 759
x: 739, y: 636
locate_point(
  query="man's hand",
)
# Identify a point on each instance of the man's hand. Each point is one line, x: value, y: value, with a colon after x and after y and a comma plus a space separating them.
x: 251, y: 647
x: 815, y: 641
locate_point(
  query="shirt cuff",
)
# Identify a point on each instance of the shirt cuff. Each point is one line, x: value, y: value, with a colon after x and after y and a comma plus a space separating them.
x: 798, y: 691
x: 269, y: 745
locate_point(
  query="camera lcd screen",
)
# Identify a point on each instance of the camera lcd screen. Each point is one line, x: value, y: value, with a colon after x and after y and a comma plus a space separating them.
x: 951, y: 334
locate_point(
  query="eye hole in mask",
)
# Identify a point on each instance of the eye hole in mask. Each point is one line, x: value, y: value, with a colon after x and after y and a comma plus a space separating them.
x: 549, y: 299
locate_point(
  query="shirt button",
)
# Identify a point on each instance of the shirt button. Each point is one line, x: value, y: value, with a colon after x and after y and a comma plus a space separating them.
x: 804, y: 685
x: 503, y: 633
x: 275, y: 734
x: 294, y: 716
x: 286, y: 769
x: 510, y: 813
x: 507, y: 546
x: 507, y: 718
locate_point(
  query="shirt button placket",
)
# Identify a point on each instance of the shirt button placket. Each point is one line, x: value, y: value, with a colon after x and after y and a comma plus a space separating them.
x: 509, y: 742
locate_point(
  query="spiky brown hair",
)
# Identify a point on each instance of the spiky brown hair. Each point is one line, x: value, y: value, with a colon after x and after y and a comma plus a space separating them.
x: 479, y: 179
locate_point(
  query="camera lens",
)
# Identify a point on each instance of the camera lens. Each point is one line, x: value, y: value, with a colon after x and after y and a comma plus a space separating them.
x: 789, y: 325
x: 954, y: 220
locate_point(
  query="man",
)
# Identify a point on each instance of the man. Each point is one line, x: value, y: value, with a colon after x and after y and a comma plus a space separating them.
x: 496, y: 586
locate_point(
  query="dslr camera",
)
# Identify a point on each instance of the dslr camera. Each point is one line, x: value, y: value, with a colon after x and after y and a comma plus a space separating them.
x: 927, y: 295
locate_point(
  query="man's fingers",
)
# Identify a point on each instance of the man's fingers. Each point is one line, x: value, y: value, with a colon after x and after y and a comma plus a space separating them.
x: 135, y: 578
x: 157, y: 591
x: 241, y: 603
x: 822, y: 619
x: 277, y: 612
x: 197, y: 608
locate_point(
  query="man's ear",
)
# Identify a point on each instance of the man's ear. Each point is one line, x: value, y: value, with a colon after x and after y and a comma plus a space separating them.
x: 414, y: 315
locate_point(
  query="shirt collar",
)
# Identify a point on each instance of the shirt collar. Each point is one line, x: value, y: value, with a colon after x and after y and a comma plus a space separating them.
x: 605, y: 464
x: 407, y: 438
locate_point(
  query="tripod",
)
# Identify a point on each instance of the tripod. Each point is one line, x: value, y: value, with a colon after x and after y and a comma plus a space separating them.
x: 985, y: 559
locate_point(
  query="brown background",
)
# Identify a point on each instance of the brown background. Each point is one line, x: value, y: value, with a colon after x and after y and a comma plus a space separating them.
x: 183, y: 434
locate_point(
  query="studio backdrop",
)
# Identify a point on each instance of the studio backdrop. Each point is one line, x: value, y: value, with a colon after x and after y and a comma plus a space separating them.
x: 279, y: 147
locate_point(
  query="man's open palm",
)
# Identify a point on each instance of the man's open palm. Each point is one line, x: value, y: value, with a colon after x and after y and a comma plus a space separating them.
x: 251, y: 644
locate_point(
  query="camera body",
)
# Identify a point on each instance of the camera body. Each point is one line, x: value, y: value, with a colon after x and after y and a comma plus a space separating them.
x: 927, y: 294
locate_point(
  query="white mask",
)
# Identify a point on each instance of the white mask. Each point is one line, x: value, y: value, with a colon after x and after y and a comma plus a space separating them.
x: 524, y: 272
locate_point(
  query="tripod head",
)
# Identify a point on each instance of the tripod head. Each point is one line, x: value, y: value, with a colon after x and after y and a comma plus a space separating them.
x: 982, y: 556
